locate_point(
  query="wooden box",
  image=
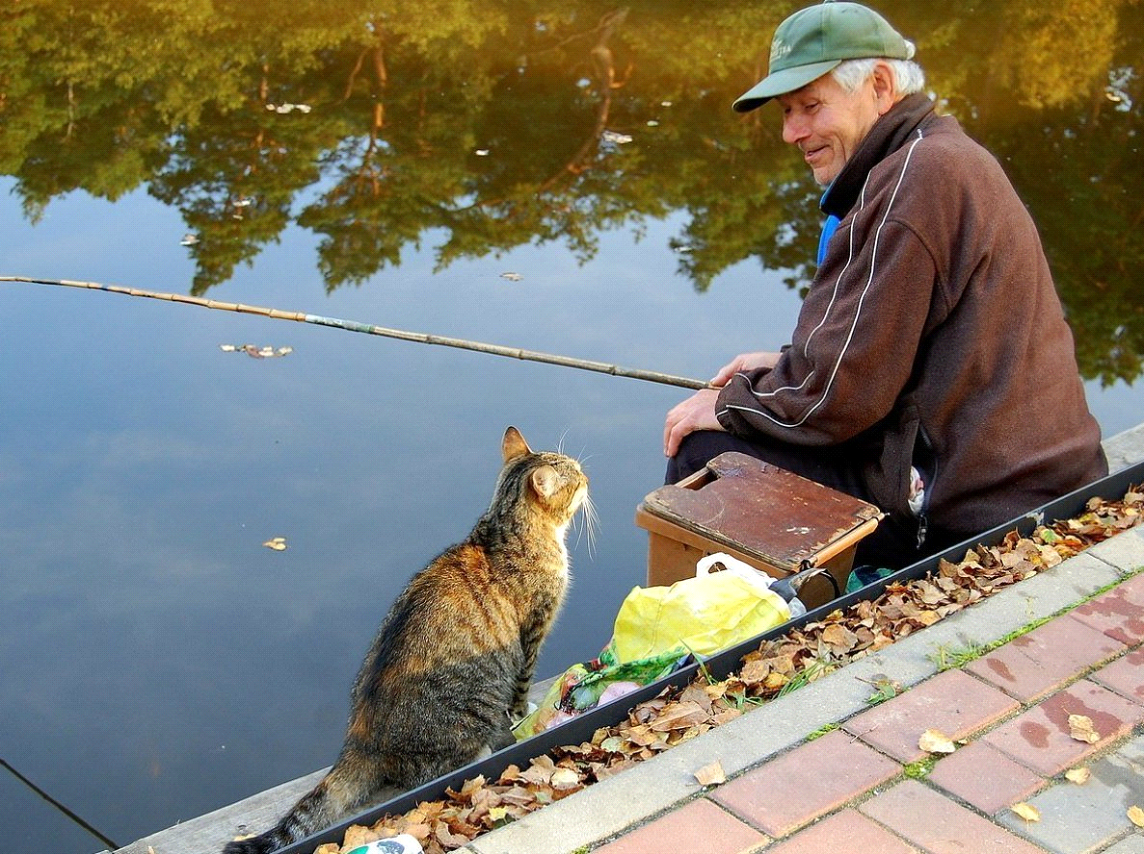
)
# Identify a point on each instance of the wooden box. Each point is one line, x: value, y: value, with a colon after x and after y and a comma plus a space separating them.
x: 766, y: 516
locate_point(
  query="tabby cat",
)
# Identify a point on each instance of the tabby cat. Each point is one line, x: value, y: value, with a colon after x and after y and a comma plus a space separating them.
x: 453, y: 660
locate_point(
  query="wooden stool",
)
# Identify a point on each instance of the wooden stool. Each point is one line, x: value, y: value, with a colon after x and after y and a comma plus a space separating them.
x: 765, y: 516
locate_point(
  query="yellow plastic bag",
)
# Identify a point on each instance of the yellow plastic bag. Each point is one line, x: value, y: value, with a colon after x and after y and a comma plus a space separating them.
x: 705, y: 614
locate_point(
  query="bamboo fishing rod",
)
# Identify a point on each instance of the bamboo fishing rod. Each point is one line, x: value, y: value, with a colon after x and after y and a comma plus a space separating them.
x: 370, y: 329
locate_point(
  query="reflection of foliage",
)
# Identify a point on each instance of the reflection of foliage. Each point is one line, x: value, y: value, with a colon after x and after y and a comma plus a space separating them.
x: 1087, y: 141
x: 481, y: 125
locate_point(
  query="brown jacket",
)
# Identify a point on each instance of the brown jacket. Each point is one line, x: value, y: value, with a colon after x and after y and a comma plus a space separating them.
x: 932, y: 335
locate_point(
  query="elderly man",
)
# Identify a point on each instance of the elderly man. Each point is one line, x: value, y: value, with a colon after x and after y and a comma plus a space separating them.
x: 931, y: 371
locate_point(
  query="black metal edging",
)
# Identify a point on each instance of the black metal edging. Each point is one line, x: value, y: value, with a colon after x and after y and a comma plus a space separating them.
x: 582, y: 727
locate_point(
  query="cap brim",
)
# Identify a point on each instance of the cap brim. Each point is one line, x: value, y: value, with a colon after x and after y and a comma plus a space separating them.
x: 782, y: 82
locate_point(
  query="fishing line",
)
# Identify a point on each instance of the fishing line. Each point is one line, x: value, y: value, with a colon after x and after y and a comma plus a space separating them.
x: 369, y: 329
x: 102, y: 838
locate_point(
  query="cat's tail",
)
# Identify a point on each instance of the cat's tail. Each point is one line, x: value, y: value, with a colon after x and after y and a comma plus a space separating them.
x: 340, y: 792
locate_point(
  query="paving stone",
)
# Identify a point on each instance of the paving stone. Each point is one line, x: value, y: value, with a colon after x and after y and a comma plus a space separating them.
x: 952, y: 702
x: 1032, y: 665
x: 938, y: 825
x: 1125, y: 448
x: 985, y: 778
x: 1119, y: 613
x: 1088, y: 816
x: 1039, y: 738
x: 1132, y: 844
x: 1125, y: 551
x: 844, y: 831
x: 697, y: 826
x: 805, y: 783
x: 1125, y: 675
x: 1133, y: 751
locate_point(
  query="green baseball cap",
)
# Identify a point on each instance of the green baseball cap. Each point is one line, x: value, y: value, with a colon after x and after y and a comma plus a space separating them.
x: 816, y: 40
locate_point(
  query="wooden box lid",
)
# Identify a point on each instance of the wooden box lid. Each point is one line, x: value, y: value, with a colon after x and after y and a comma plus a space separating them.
x: 781, y: 518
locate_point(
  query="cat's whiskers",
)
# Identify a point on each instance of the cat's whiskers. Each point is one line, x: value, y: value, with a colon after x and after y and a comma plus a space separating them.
x: 588, y: 522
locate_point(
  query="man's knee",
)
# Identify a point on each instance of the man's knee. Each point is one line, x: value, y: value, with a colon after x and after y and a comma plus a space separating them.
x: 700, y: 447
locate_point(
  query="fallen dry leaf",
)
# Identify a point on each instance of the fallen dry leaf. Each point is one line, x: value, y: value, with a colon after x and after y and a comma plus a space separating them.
x: 1027, y: 811
x: 711, y: 775
x: 564, y: 778
x: 1136, y: 816
x: 1080, y: 728
x: 935, y: 741
x: 1078, y: 775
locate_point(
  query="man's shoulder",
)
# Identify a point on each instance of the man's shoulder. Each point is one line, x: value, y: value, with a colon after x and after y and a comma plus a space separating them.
x: 939, y: 154
x: 942, y: 138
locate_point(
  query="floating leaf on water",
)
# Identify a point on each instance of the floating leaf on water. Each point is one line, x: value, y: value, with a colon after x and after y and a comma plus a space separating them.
x: 1081, y: 728
x: 1027, y: 811
x: 1079, y: 776
x: 263, y: 352
x: 512, y: 277
x: 711, y: 775
x: 935, y: 741
x: 1136, y: 816
x: 278, y: 544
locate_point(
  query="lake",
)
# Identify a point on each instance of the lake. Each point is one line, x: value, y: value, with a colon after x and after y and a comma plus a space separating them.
x: 558, y: 180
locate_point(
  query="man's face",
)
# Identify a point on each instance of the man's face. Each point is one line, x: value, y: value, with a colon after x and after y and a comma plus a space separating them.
x: 826, y: 122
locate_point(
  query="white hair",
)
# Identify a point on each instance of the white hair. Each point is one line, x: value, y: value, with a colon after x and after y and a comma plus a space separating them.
x: 908, y: 75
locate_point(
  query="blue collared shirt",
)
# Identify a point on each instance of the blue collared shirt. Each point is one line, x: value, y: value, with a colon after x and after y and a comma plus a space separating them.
x: 828, y: 229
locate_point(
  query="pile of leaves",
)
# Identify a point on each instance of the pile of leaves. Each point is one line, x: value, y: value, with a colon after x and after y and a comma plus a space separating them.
x: 776, y: 667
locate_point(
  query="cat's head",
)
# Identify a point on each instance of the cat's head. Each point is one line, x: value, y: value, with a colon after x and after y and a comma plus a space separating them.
x: 545, y: 480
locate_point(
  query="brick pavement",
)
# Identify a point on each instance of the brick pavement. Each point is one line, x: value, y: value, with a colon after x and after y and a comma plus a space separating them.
x: 1009, y: 713
x: 865, y: 785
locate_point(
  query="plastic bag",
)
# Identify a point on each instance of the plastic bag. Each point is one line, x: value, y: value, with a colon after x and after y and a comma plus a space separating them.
x: 703, y: 615
x: 656, y: 632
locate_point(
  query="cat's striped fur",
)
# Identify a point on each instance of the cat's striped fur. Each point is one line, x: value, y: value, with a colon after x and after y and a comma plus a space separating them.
x: 455, y: 657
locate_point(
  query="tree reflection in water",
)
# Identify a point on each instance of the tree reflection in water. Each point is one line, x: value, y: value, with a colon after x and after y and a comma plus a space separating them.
x: 493, y: 125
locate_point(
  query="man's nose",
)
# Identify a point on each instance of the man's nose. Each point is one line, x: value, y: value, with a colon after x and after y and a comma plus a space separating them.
x: 793, y: 129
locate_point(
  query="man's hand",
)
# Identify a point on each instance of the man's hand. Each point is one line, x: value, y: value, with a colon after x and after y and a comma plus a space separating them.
x: 695, y: 413
x: 744, y: 362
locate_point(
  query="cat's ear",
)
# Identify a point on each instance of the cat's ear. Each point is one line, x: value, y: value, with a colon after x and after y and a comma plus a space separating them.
x: 513, y: 445
x: 545, y: 481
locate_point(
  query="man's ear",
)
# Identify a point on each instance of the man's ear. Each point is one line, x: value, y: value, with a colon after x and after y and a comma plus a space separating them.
x: 885, y: 87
